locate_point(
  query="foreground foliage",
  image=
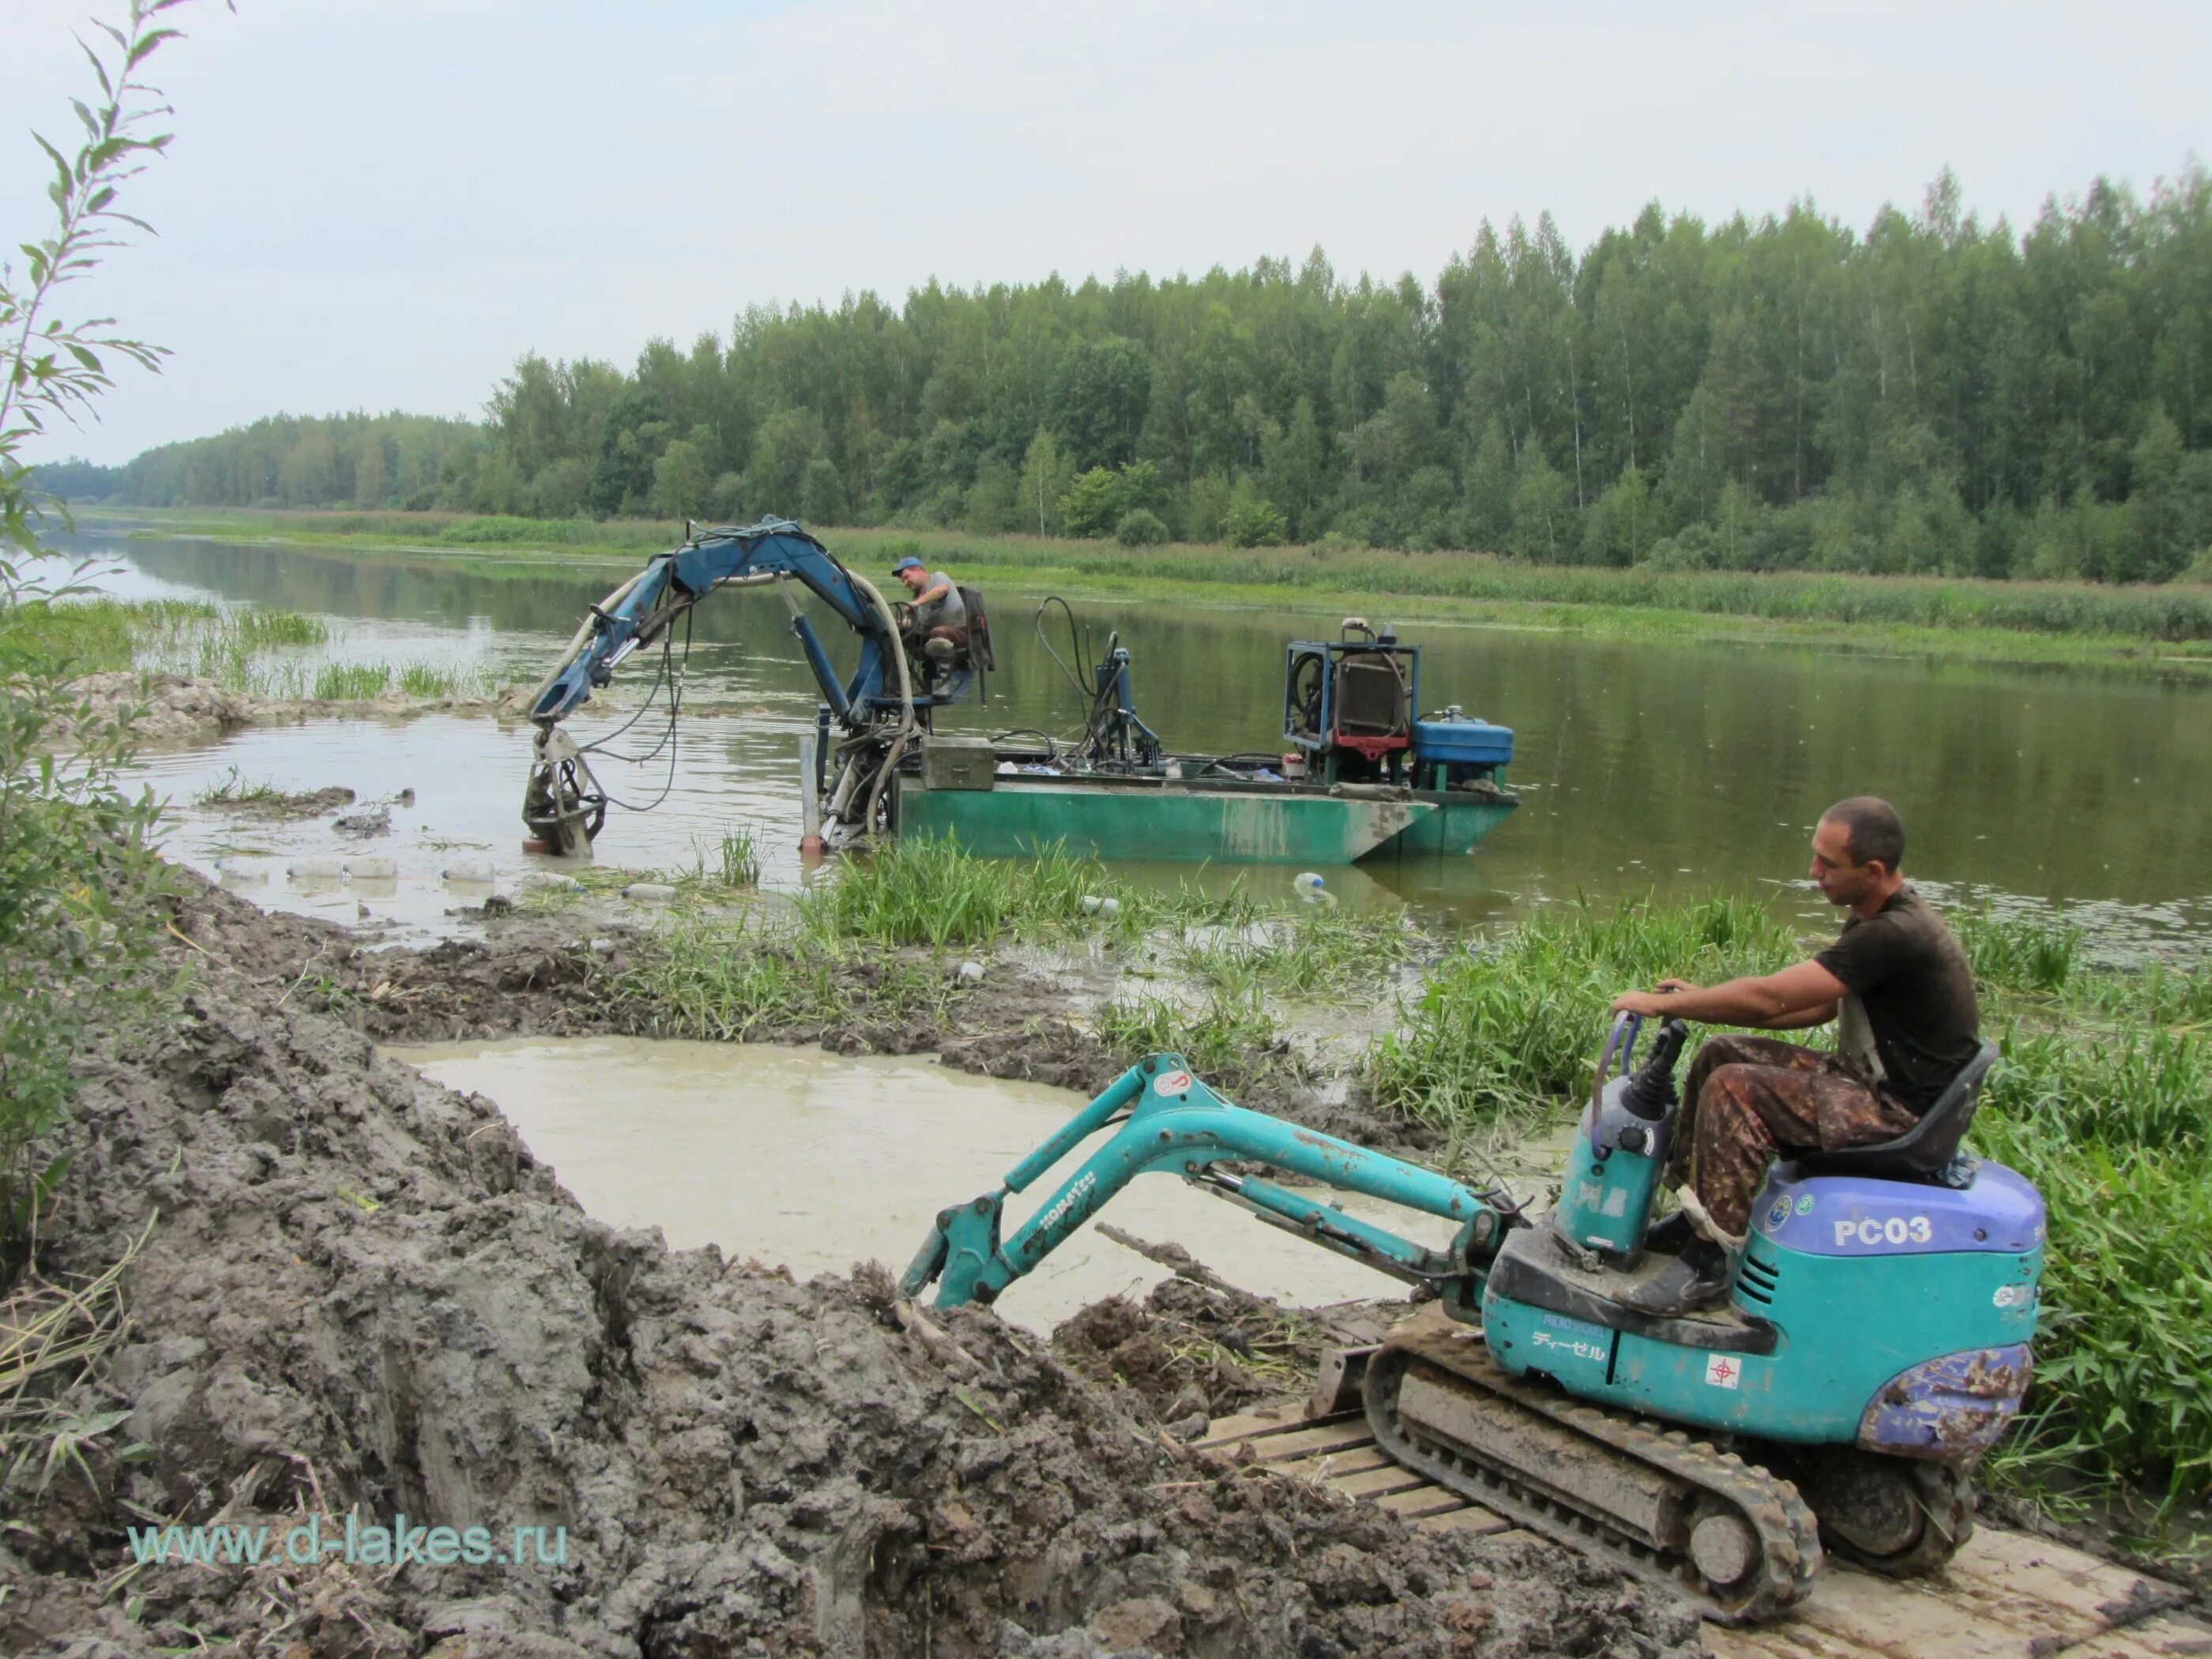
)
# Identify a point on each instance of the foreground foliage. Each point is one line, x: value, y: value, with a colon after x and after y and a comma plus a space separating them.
x: 76, y: 874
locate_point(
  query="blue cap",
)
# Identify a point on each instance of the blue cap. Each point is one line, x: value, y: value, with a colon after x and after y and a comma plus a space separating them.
x: 909, y: 562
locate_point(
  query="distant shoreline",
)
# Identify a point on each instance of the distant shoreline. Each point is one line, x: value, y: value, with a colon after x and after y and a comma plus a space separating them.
x: 2165, y: 629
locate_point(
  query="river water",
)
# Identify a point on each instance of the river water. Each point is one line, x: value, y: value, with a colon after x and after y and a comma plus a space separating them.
x: 1667, y: 767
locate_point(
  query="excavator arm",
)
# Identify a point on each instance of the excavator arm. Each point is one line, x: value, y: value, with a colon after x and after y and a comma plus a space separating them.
x: 563, y: 805
x: 1169, y: 1122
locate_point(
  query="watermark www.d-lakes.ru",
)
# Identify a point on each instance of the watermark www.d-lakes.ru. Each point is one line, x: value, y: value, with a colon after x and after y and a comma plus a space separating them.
x: 353, y: 1541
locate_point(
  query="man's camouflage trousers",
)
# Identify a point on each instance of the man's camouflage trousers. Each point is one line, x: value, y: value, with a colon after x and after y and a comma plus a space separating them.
x: 1749, y: 1100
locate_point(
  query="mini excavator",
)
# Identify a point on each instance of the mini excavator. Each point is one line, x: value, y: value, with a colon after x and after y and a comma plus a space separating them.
x: 867, y: 721
x: 1875, y: 1345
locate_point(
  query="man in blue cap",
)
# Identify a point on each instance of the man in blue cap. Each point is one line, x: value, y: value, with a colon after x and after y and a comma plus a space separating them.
x: 938, y: 620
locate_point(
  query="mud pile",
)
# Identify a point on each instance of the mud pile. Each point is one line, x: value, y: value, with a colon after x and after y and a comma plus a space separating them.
x: 1198, y: 1350
x: 363, y: 1294
x: 180, y: 708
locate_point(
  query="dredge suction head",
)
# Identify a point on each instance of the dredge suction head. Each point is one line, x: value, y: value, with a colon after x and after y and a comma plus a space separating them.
x: 1651, y: 1500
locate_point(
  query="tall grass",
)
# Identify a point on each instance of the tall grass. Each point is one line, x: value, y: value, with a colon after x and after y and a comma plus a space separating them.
x: 2018, y: 955
x: 1227, y: 1038
x: 931, y: 892
x: 1509, y: 1026
x: 2114, y: 1128
x: 351, y: 682
x: 720, y: 980
x: 173, y: 636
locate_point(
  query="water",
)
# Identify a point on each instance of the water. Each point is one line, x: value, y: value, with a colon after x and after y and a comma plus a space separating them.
x: 817, y: 1161
x: 1666, y: 768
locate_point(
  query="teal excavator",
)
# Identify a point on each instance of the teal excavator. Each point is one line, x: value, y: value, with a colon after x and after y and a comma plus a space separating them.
x: 1875, y: 1345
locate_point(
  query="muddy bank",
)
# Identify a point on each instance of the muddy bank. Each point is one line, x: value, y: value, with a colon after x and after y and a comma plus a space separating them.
x: 362, y: 1293
x: 563, y: 975
x: 180, y: 708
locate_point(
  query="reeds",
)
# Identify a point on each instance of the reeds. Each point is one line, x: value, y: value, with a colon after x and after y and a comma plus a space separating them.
x: 1508, y: 1027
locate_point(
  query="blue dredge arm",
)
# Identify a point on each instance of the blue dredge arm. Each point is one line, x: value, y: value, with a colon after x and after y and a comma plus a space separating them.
x: 563, y: 805
x: 1171, y: 1123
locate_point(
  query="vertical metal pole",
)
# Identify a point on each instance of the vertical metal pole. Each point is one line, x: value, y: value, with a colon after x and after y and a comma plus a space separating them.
x: 810, y: 802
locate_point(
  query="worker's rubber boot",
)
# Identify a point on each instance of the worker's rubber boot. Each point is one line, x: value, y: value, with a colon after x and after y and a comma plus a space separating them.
x: 939, y: 650
x: 1671, y: 1236
x: 1697, y: 1279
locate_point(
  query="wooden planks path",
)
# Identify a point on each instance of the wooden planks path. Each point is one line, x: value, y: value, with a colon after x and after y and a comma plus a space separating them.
x: 2006, y: 1596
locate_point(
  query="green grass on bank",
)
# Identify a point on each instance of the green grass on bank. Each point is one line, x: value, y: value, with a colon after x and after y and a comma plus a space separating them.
x: 181, y: 636
x: 263, y: 653
x: 1508, y: 1026
x: 2055, y: 620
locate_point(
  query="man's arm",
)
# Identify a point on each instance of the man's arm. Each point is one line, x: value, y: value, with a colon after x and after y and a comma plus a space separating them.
x: 1790, y: 1001
x: 929, y: 595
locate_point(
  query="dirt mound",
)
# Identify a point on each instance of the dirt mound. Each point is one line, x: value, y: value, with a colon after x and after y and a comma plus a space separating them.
x: 364, y: 1295
x: 1206, y: 1350
x: 178, y: 707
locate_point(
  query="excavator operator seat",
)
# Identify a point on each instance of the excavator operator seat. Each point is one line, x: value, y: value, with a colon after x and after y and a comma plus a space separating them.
x: 979, y: 630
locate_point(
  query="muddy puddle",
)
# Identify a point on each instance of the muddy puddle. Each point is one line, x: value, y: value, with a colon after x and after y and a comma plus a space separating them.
x: 815, y: 1161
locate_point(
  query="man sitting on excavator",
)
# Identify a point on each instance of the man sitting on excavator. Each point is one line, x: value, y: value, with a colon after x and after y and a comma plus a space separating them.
x: 1908, y: 1025
x: 938, y: 623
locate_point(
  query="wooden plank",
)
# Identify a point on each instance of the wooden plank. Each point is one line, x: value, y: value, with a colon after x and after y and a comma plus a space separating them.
x: 1268, y: 1419
x: 2164, y: 1637
x: 1328, y: 1465
x: 1422, y: 1500
x: 1904, y: 1619
x: 1782, y: 1641
x: 2048, y: 1589
x: 1381, y: 1483
x: 1471, y: 1518
x: 1307, y: 1443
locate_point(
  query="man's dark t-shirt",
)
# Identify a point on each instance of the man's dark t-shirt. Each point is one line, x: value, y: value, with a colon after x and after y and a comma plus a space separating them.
x: 1916, y: 996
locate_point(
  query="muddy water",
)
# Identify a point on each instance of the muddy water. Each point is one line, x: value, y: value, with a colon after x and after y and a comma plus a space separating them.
x: 1678, y: 769
x: 817, y: 1161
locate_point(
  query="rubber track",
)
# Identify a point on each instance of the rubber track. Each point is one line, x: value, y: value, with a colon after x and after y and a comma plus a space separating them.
x: 1788, y: 1534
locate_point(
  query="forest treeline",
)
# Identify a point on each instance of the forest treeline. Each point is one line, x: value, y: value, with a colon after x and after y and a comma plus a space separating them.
x: 1934, y: 394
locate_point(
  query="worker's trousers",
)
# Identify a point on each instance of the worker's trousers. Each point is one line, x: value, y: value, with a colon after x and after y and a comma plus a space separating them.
x: 1749, y: 1100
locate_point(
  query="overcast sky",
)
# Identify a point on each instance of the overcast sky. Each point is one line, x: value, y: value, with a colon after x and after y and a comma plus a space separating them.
x: 380, y: 204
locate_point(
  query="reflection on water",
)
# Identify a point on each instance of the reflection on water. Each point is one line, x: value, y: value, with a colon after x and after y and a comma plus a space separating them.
x: 1677, y: 768
x: 817, y: 1161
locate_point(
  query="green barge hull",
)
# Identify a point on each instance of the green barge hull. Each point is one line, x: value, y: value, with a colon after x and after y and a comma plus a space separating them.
x: 1246, y: 823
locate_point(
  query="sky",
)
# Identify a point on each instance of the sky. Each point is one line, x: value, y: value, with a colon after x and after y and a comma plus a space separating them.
x: 380, y: 206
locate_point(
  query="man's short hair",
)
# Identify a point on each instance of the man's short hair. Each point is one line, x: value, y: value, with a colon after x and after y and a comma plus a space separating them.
x: 1872, y: 828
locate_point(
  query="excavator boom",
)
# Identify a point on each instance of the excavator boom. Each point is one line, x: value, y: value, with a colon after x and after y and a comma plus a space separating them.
x: 1166, y: 1119
x: 876, y: 706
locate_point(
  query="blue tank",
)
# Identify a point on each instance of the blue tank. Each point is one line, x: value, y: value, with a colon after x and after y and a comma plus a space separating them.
x: 1455, y: 740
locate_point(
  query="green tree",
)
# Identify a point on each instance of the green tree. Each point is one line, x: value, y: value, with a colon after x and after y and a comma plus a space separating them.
x: 787, y: 446
x: 1487, y: 511
x: 1100, y: 394
x: 1543, y: 513
x: 1046, y: 475
x: 1254, y: 521
x: 1623, y: 524
x: 1293, y: 464
x: 636, y: 429
x: 680, y: 480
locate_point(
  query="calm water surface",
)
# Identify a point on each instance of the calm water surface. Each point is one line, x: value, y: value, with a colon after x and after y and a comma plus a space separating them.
x: 1666, y: 768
